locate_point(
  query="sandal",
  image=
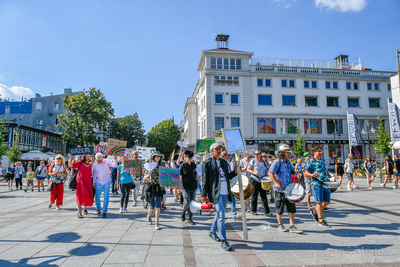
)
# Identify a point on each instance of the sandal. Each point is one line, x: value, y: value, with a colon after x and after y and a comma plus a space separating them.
x: 80, y: 215
x: 85, y: 211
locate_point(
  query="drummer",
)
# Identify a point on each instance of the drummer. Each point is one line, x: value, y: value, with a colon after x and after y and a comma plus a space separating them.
x: 280, y: 173
x: 316, y: 169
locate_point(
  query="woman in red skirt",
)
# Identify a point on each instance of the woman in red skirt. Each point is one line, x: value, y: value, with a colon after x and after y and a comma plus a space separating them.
x: 57, y: 173
x: 84, y: 186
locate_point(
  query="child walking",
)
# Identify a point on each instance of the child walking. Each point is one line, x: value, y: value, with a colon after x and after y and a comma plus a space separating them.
x: 29, y: 178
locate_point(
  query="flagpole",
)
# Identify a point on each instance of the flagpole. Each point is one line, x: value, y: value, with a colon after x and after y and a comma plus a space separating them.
x: 348, y: 131
x: 390, y: 126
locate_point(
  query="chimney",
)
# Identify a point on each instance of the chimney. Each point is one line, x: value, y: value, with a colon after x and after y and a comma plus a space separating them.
x: 37, y: 95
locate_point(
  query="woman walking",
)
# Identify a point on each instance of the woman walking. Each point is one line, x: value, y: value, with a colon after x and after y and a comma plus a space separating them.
x: 57, y: 172
x: 369, y: 170
x: 124, y: 179
x: 18, y: 175
x: 155, y: 189
x: 84, y: 186
x: 41, y: 174
x: 339, y: 171
x: 10, y: 175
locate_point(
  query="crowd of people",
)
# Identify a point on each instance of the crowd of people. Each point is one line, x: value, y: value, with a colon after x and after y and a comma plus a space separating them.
x: 93, y: 176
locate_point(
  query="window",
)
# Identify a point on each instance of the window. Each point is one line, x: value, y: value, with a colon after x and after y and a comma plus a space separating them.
x: 234, y: 99
x: 390, y: 100
x: 56, y: 121
x: 314, y: 84
x: 284, y: 83
x: 376, y: 86
x: 238, y: 64
x: 306, y: 84
x: 226, y: 80
x: 39, y: 122
x: 219, y: 99
x: 235, y: 122
x: 213, y: 63
x: 226, y: 63
x: 312, y: 126
x: 311, y: 101
x: 330, y: 126
x: 38, y: 105
x: 335, y: 85
x: 219, y: 63
x: 332, y: 101
x: 355, y: 86
x: 264, y: 100
x: 268, y: 82
x: 353, y: 102
x: 289, y: 126
x: 389, y: 87
x: 289, y: 100
x: 56, y: 106
x: 369, y: 86
x: 232, y: 64
x: 260, y: 82
x: 7, y: 108
x: 219, y: 123
x: 291, y: 83
x: 348, y: 86
x: 374, y: 102
x: 327, y: 85
x: 266, y: 125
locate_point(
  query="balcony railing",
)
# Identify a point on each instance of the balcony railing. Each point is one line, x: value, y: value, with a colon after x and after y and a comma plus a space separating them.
x: 226, y: 82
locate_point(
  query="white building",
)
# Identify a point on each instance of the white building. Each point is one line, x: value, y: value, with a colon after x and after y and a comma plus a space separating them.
x: 270, y: 98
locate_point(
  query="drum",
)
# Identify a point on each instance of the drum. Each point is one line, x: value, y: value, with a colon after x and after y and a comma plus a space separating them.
x: 248, y: 188
x: 294, y: 192
x: 266, y: 183
x: 334, y: 185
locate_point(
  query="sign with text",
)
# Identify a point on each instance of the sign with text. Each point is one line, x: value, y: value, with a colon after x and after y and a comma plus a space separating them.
x: 81, y: 150
x: 203, y: 145
x: 233, y: 140
x: 145, y: 152
x: 129, y: 163
x: 169, y: 177
x: 115, y: 147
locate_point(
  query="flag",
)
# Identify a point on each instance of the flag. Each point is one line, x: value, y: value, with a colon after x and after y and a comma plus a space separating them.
x: 355, y: 137
x: 394, y: 121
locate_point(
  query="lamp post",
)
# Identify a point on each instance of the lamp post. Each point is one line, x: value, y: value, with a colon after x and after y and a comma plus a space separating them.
x: 372, y: 130
x: 334, y: 139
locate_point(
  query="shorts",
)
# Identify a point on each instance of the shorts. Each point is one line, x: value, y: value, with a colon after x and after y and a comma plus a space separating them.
x: 30, y: 182
x: 10, y: 178
x: 350, y: 176
x: 155, y: 201
x: 48, y: 177
x: 396, y: 174
x: 321, y: 194
x: 370, y: 170
x: 340, y: 174
x: 308, y: 189
x: 280, y: 201
x: 40, y: 178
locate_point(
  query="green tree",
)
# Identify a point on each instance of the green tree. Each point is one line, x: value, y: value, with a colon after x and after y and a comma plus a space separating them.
x: 14, y: 153
x: 3, y: 143
x: 128, y: 128
x: 383, y: 143
x: 84, y: 113
x: 298, y: 147
x: 164, y: 137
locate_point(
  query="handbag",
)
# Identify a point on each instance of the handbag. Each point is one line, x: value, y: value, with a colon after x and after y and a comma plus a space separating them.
x: 72, y: 183
x: 50, y: 186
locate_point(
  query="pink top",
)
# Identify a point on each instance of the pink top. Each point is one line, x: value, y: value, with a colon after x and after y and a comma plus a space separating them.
x: 101, y: 171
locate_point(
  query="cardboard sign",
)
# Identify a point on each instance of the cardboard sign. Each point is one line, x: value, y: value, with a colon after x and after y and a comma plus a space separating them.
x: 129, y: 163
x: 218, y: 136
x: 99, y: 149
x: 145, y: 152
x: 203, y: 145
x: 81, y: 150
x: 233, y: 140
x: 115, y: 147
x: 169, y: 177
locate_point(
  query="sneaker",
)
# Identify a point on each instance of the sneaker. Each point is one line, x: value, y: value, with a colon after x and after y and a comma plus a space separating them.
x: 32, y: 190
x: 104, y: 215
x: 323, y: 223
x: 268, y: 214
x: 369, y: 187
x: 340, y: 187
x: 183, y: 217
x: 349, y: 188
x: 133, y: 204
x: 383, y: 185
x: 355, y: 186
x: 27, y: 189
x: 326, y: 208
x: 50, y: 205
x: 248, y: 209
x: 121, y: 210
x: 214, y: 237
x: 254, y: 213
x: 282, y: 228
x: 157, y: 226
x: 225, y: 245
x: 293, y: 229
x: 237, y: 216
x: 125, y: 211
x: 58, y: 208
x: 149, y: 220
x: 314, y: 214
x: 191, y: 222
x: 395, y: 187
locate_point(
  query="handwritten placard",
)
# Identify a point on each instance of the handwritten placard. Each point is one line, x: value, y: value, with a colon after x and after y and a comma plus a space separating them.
x: 203, y: 145
x: 115, y: 147
x: 233, y: 140
x: 169, y: 177
x: 145, y: 152
x: 128, y: 163
x: 81, y: 150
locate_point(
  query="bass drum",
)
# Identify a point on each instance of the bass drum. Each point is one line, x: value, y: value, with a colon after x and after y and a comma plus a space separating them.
x: 248, y: 188
x: 295, y: 192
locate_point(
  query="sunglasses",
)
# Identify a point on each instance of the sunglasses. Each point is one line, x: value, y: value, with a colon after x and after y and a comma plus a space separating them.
x: 58, y: 158
x: 257, y: 154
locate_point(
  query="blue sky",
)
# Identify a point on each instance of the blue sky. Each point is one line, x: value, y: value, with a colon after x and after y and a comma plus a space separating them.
x: 143, y: 54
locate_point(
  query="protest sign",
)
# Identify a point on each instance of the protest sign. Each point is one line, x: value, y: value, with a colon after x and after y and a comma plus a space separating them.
x: 128, y: 163
x: 169, y: 177
x: 81, y: 150
x: 115, y: 147
x: 203, y: 145
x: 145, y: 152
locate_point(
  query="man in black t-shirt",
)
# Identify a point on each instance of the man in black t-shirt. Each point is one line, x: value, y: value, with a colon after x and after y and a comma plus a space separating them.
x: 187, y: 174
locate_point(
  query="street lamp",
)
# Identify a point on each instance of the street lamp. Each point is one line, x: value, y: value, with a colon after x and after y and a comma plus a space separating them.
x: 334, y: 139
x: 367, y: 132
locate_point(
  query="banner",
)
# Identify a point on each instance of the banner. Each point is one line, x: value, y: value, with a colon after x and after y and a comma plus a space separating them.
x: 203, y: 145
x: 355, y: 137
x: 169, y: 177
x: 81, y: 150
x: 115, y: 147
x: 128, y: 163
x: 145, y: 152
x: 394, y: 121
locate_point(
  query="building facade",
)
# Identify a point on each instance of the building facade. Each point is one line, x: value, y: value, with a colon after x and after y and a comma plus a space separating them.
x: 269, y: 99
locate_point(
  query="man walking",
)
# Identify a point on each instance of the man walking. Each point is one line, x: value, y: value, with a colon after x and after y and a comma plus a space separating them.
x: 136, y: 176
x: 215, y: 184
x: 187, y: 173
x: 102, y: 180
x: 316, y: 169
x: 226, y: 157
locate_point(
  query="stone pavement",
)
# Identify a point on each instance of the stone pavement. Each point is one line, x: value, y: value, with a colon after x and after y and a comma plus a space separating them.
x: 365, y: 232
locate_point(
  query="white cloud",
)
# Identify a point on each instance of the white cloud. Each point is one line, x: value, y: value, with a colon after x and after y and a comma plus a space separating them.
x: 15, y: 92
x: 285, y: 3
x: 341, y: 5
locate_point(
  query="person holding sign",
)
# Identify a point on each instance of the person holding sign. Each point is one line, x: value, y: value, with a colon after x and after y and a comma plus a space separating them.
x: 124, y: 179
x: 137, y: 176
x: 175, y: 165
x: 215, y: 184
x: 187, y: 173
x: 102, y: 180
x: 155, y: 190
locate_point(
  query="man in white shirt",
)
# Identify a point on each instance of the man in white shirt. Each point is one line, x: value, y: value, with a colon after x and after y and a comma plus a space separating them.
x: 102, y: 180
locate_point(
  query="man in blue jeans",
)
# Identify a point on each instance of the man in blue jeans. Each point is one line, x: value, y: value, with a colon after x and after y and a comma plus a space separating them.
x: 316, y: 169
x: 215, y: 184
x: 226, y: 157
x: 187, y: 173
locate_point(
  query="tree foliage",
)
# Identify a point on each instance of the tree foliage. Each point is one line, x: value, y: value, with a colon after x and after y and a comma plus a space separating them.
x: 164, y: 137
x: 14, y: 153
x: 383, y: 143
x: 84, y: 113
x: 299, y: 145
x: 128, y: 128
x: 3, y: 143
